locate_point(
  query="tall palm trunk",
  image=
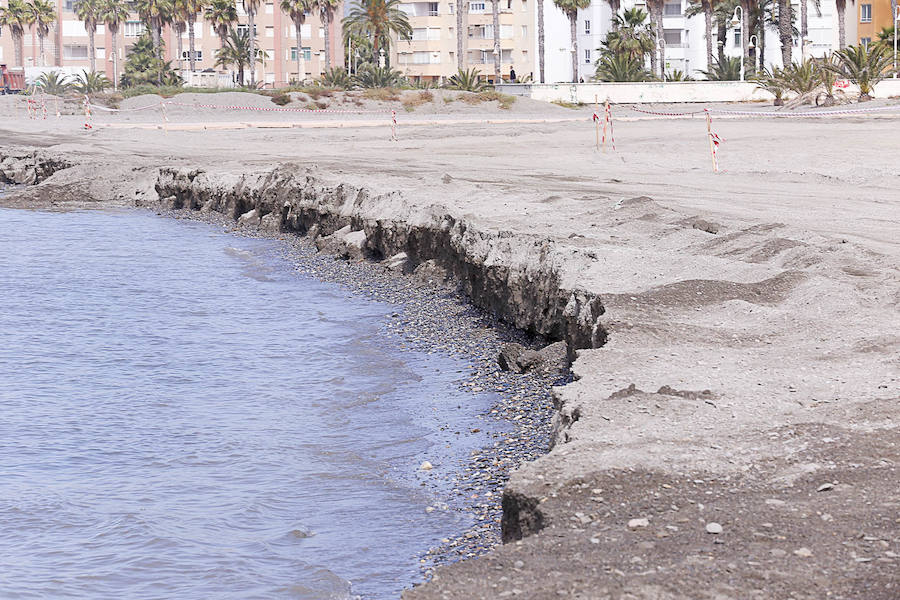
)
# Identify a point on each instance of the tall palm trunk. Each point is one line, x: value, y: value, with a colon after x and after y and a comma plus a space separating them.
x: 573, y: 31
x: 654, y: 56
x: 113, y: 34
x: 460, y: 62
x: 841, y: 6
x: 745, y: 29
x: 721, y: 36
x: 658, y: 6
x: 156, y: 34
x: 301, y: 74
x: 19, y: 49
x: 327, y: 28
x: 41, y: 46
x: 761, y: 47
x: 708, y: 18
x: 222, y: 31
x: 93, y: 49
x: 495, y: 13
x: 180, y: 49
x: 804, y: 27
x: 190, y: 21
x: 251, y: 15
x: 785, y: 31
x: 540, y: 17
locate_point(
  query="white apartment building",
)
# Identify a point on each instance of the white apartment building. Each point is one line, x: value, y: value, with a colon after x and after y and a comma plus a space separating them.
x: 685, y: 44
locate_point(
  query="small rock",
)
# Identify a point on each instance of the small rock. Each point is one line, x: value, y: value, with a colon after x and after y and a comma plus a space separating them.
x: 714, y: 528
x: 803, y: 552
x: 638, y: 523
x: 777, y: 552
x: 825, y: 487
x: 425, y: 466
x: 429, y: 509
x: 518, y: 564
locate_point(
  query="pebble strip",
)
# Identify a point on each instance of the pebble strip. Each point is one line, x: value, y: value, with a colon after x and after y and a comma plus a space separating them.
x: 435, y: 318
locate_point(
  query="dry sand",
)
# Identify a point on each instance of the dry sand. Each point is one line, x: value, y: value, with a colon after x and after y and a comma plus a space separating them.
x: 753, y: 318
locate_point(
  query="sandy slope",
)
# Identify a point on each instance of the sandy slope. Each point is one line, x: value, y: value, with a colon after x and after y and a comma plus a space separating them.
x: 764, y: 298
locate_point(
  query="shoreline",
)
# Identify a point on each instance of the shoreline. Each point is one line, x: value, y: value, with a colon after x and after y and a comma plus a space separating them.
x: 731, y: 356
x: 435, y: 318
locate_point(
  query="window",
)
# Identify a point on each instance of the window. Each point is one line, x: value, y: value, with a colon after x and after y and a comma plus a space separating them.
x: 476, y: 8
x: 307, y: 53
x: 865, y: 13
x: 450, y: 8
x: 70, y: 5
x: 737, y: 38
x: 133, y: 29
x: 270, y: 31
x: 672, y: 9
x: 587, y: 27
x: 865, y: 41
x: 672, y: 37
x: 100, y: 53
x: 524, y: 31
x: 75, y: 52
x: 244, y: 28
x: 587, y: 56
x: 186, y: 55
x: 433, y: 9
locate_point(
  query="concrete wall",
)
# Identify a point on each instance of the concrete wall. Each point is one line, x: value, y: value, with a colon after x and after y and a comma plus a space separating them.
x: 656, y: 92
x: 676, y: 91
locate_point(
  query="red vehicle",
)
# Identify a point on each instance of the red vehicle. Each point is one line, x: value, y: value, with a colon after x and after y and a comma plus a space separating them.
x: 11, y: 82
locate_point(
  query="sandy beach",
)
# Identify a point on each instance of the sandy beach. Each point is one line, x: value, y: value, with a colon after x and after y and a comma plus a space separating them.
x: 732, y: 430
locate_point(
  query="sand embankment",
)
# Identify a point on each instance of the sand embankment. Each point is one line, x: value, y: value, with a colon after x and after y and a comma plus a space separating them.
x: 750, y: 355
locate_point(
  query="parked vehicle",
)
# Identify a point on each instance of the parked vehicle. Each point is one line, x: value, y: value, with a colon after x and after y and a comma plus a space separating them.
x: 12, y: 81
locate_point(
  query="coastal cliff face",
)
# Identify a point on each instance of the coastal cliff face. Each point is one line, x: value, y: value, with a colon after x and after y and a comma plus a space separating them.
x: 518, y: 278
x: 736, y: 373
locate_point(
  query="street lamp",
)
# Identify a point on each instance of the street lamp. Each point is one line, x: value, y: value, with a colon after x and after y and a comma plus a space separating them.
x: 735, y: 21
x: 754, y: 41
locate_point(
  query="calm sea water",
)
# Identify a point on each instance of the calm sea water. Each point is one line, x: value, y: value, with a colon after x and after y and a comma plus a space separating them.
x: 182, y: 415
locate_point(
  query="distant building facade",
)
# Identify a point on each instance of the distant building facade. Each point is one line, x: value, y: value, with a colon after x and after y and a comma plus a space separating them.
x: 431, y: 53
x: 67, y: 44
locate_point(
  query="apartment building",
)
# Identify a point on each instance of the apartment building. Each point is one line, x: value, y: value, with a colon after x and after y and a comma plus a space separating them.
x: 431, y: 53
x: 67, y: 45
x: 872, y: 17
x: 683, y: 36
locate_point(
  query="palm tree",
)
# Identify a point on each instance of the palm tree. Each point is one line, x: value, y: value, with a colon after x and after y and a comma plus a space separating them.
x: 804, y: 10
x: 495, y: 20
x: 865, y: 66
x: 179, y: 26
x: 570, y: 8
x: 155, y: 14
x: 707, y: 7
x: 16, y: 17
x: 621, y: 67
x: 190, y: 10
x: 43, y: 15
x: 326, y: 12
x: 113, y: 13
x: 221, y: 14
x: 785, y: 31
x: 658, y: 58
x: 630, y: 36
x: 250, y: 7
x: 377, y: 19
x: 540, y: 24
x: 88, y: 11
x: 297, y: 11
x: 237, y: 51
x: 841, y: 6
